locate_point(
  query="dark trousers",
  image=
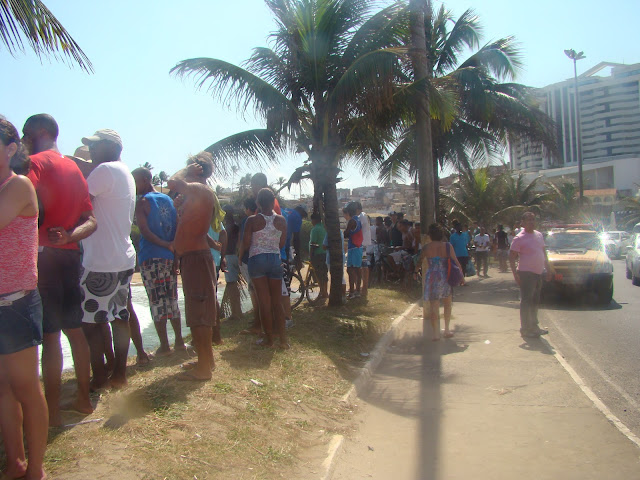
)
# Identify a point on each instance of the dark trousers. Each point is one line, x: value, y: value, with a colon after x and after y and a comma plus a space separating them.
x: 530, y: 286
x: 482, y: 261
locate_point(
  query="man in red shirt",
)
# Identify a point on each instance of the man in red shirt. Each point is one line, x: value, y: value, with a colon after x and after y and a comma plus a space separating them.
x: 67, y: 217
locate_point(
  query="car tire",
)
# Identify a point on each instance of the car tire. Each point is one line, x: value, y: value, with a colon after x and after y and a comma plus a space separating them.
x: 629, y: 274
x: 605, y: 294
x: 635, y: 280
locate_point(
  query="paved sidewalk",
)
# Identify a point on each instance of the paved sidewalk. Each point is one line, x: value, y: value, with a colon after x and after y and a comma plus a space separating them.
x: 483, y: 405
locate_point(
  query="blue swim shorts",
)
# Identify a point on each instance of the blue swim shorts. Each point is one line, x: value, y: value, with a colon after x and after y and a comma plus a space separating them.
x: 354, y: 257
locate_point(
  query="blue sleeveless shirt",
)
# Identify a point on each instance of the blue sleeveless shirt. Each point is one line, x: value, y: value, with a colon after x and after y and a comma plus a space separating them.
x: 162, y: 221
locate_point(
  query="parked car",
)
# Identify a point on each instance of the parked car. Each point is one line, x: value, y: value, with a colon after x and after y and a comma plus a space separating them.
x: 578, y: 263
x: 615, y: 242
x: 633, y: 261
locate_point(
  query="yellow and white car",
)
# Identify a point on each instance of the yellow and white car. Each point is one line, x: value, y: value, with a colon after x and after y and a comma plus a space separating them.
x: 579, y: 264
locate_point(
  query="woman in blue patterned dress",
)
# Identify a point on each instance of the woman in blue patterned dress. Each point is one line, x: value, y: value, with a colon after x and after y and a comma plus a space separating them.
x: 436, y: 287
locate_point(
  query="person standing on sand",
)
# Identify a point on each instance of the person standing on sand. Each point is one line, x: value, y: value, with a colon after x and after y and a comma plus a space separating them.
x: 109, y: 258
x: 233, y: 268
x: 196, y: 267
x: 68, y: 218
x: 258, y: 182
x: 157, y: 220
x: 264, y: 235
x: 529, y: 250
x: 23, y: 410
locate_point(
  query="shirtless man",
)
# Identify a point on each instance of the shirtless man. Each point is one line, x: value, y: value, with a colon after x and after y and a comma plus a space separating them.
x: 195, y: 262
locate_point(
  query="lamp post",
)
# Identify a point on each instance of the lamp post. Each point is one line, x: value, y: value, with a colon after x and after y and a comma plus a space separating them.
x: 575, y: 56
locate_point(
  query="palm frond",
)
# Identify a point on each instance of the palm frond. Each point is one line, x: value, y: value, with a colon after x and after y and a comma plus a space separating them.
x: 236, y: 87
x: 44, y: 33
x: 501, y: 57
x: 464, y: 34
x: 251, y: 148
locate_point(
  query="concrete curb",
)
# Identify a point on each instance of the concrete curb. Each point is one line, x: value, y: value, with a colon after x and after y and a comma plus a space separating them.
x: 375, y: 357
x: 337, y: 441
x: 329, y: 464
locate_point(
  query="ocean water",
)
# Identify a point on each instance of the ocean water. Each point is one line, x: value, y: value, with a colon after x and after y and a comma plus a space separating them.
x: 149, y: 336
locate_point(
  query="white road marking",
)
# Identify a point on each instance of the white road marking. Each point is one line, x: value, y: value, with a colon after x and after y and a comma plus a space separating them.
x: 588, y: 392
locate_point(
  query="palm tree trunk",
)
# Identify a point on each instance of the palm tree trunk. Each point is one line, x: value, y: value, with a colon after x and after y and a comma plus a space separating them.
x: 332, y: 224
x: 422, y: 71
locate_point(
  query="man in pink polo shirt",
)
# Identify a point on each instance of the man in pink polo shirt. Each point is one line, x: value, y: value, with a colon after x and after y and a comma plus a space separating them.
x: 529, y: 249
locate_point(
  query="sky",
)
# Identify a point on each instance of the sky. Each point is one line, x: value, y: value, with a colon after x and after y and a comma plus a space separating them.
x: 162, y: 119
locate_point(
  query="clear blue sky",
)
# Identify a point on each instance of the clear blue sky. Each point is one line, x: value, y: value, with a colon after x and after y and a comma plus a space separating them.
x: 162, y: 120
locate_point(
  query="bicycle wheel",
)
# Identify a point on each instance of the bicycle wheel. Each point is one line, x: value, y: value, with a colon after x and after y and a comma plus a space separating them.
x: 312, y: 290
x: 296, y: 290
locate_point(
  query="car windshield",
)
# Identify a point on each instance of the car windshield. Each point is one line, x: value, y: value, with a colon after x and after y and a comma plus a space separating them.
x: 561, y: 240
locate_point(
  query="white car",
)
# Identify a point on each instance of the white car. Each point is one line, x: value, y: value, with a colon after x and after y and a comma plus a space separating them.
x: 615, y: 242
x: 633, y: 261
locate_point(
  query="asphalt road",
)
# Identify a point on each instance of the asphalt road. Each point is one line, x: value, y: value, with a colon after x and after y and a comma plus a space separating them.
x: 603, y: 344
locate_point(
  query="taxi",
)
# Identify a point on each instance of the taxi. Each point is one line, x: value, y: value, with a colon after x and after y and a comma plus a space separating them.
x: 579, y: 264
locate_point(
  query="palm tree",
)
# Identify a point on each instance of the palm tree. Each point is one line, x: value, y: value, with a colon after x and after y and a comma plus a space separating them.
x: 280, y: 182
x: 44, y: 33
x: 243, y: 184
x: 234, y: 169
x: 474, y: 197
x: 565, y: 201
x: 147, y: 165
x: 325, y: 89
x: 473, y: 113
x: 518, y: 197
x: 632, y: 206
x: 164, y: 178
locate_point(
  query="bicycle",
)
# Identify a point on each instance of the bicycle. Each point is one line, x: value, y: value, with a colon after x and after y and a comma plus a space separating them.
x: 299, y: 288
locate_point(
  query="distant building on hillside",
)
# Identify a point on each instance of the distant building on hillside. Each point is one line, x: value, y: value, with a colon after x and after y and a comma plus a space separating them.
x: 610, y: 120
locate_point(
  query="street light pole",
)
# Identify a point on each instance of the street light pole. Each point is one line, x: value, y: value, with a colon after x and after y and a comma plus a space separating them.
x: 575, y: 56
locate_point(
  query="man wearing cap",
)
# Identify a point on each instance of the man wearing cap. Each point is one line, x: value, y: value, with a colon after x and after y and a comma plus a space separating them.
x: 68, y: 218
x: 366, y: 244
x: 109, y: 257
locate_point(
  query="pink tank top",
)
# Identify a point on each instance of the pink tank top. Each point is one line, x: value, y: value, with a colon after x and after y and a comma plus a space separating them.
x: 19, y: 254
x: 266, y: 240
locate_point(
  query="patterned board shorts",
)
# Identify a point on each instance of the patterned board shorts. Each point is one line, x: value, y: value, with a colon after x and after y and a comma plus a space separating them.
x: 161, y: 284
x: 105, y: 295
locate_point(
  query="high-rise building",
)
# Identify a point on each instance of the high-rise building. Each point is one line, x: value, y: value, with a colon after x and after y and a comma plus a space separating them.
x: 610, y: 120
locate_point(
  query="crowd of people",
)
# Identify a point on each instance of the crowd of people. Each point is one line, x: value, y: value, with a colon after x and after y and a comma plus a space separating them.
x: 68, y: 260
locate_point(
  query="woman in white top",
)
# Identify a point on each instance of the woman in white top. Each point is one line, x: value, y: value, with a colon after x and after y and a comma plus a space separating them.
x: 264, y: 236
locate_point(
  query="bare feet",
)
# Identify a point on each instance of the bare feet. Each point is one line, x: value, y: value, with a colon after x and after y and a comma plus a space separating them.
x: 143, y: 360
x: 448, y: 334
x: 435, y: 339
x: 97, y: 386
x: 84, y: 408
x: 164, y: 351
x: 191, y: 365
x: 16, y: 470
x: 284, y: 346
x: 118, y: 382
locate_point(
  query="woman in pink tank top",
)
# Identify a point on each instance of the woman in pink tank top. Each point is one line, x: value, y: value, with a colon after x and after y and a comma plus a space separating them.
x: 264, y: 236
x: 20, y: 316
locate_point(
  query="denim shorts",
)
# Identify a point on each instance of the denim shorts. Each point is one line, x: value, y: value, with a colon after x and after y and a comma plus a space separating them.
x: 21, y: 324
x: 266, y: 265
x: 231, y: 275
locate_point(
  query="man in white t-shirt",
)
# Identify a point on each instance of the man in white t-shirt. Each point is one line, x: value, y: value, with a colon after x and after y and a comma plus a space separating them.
x: 482, y: 242
x: 367, y: 244
x: 109, y: 257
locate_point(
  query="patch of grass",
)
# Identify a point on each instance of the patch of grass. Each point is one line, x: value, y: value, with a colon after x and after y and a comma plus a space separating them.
x: 231, y: 427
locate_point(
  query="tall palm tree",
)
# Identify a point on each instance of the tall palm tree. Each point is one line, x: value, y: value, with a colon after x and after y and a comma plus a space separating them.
x: 479, y: 108
x: 44, y: 33
x: 164, y: 178
x: 324, y: 89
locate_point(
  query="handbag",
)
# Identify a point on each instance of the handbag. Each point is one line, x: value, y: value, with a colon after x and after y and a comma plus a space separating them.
x: 454, y: 274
